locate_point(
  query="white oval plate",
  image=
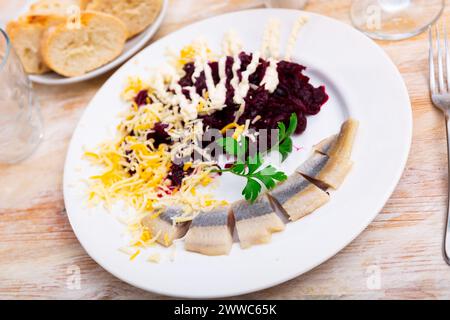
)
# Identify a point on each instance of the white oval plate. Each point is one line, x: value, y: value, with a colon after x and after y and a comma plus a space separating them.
x: 131, y: 47
x: 361, y: 81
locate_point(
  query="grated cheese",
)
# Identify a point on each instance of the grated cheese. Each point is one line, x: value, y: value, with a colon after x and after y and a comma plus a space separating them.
x: 135, y: 255
x: 154, y: 258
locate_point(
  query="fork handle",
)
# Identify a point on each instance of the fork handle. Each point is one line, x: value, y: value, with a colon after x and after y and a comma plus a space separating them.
x: 446, y: 244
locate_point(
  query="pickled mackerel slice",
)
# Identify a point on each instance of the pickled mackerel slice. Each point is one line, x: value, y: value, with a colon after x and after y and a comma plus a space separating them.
x: 298, y: 197
x: 211, y: 233
x: 331, y: 171
x: 255, y: 222
x: 166, y: 227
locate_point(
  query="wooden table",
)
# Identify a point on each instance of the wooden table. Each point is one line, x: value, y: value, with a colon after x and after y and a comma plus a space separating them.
x: 398, y: 256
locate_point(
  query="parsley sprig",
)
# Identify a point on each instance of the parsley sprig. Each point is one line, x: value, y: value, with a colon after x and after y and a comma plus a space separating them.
x: 284, y: 137
x: 251, y: 167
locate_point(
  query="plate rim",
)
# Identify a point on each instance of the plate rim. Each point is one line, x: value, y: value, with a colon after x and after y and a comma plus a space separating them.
x: 355, y: 233
x: 149, y: 32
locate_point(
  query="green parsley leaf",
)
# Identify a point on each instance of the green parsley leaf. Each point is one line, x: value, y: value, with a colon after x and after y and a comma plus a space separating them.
x: 254, y: 163
x: 238, y: 168
x: 269, y: 176
x: 281, y: 131
x: 284, y: 137
x: 285, y: 149
x: 293, y: 122
x: 251, y: 190
x: 242, y: 150
x: 247, y: 166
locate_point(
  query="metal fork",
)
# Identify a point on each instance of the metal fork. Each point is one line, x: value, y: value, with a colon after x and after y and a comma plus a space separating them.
x: 440, y: 95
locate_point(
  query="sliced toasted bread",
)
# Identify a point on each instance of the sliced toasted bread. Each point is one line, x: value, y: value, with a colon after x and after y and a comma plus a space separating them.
x: 136, y: 14
x: 70, y: 51
x: 26, y: 34
x: 58, y: 7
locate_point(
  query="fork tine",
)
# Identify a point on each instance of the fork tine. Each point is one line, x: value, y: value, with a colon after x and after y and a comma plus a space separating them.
x: 442, y: 87
x: 431, y: 62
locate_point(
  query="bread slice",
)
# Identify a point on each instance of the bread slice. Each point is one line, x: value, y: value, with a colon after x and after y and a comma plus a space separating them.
x: 26, y: 34
x: 58, y: 7
x: 136, y: 14
x: 74, y: 51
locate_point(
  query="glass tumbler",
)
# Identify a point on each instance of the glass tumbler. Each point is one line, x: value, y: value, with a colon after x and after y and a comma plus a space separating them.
x: 20, y: 118
x: 395, y: 19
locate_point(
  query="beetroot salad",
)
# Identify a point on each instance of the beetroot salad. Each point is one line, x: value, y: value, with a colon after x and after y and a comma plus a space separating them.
x: 294, y: 94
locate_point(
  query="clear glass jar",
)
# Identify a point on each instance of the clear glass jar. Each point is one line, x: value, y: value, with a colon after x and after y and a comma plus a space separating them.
x: 20, y: 118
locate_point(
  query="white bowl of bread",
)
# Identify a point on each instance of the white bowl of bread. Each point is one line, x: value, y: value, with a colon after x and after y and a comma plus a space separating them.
x: 67, y: 41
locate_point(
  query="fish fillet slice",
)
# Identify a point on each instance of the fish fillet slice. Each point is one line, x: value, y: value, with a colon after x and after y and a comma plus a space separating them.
x: 330, y: 171
x: 343, y: 146
x: 340, y: 145
x: 298, y: 197
x: 211, y: 233
x: 325, y: 145
x: 164, y: 224
x: 256, y: 222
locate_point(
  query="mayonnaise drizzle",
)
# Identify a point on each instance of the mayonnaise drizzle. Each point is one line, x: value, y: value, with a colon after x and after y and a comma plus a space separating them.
x: 301, y: 21
x: 231, y: 44
x: 157, y: 81
x: 271, y: 80
x: 271, y: 39
x: 217, y: 94
x: 244, y: 85
x: 235, y: 68
x: 188, y: 107
x: 198, y: 68
x: 274, y: 44
x: 201, y: 59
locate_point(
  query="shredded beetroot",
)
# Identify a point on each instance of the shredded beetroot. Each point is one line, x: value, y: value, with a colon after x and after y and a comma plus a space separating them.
x: 294, y: 94
x: 159, y: 134
x: 177, y: 174
x: 141, y: 98
x: 129, y: 156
